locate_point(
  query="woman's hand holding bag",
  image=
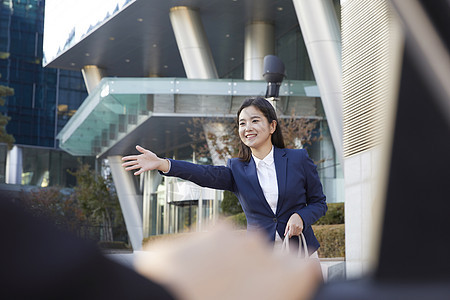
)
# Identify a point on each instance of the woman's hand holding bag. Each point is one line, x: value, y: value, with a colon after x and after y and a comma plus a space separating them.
x: 302, y: 247
x: 302, y: 253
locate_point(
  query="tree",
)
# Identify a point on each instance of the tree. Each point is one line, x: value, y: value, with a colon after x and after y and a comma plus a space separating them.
x: 91, y: 210
x: 298, y: 132
x: 98, y: 201
x: 56, y: 205
x: 4, y: 136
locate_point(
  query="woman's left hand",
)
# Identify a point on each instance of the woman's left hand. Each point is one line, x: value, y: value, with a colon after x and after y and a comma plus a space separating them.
x: 294, y: 226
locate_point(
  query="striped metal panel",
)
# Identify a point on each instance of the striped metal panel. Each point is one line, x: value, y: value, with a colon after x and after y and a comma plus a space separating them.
x: 367, y: 46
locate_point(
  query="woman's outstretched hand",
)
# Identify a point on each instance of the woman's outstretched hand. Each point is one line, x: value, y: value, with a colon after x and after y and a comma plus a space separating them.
x: 145, y: 162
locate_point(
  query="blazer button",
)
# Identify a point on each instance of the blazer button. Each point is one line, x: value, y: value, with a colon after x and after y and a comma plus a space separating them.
x: 275, y: 220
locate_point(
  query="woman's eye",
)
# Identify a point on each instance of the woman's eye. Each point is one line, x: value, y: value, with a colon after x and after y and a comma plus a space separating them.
x: 241, y: 124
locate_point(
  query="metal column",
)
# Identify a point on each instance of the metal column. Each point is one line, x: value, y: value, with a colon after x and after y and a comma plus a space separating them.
x: 259, y: 42
x: 129, y: 201
x: 92, y: 76
x: 191, y: 40
x: 321, y: 33
x: 14, y: 166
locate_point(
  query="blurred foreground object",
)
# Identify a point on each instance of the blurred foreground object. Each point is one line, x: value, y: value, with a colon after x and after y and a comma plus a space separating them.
x: 223, y: 264
x: 412, y: 261
x: 38, y: 261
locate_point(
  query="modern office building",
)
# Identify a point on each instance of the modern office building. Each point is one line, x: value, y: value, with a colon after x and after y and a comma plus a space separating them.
x: 151, y: 67
x: 43, y: 101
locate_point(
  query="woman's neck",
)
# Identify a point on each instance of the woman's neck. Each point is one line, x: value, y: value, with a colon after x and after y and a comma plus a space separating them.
x: 262, y: 152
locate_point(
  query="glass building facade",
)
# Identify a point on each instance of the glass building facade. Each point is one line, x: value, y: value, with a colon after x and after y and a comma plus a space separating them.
x: 43, y: 100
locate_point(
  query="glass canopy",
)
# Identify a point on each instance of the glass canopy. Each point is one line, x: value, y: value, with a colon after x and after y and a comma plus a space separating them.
x: 119, y: 105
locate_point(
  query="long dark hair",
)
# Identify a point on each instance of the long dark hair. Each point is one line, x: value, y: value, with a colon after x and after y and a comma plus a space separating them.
x: 268, y: 111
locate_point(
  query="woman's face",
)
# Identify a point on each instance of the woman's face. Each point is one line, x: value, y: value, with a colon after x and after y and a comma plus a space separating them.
x: 255, y: 130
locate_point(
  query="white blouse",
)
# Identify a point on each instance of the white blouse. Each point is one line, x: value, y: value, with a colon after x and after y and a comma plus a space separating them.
x: 267, y: 177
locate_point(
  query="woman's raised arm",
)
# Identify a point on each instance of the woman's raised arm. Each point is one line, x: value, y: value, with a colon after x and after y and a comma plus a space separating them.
x: 145, y: 161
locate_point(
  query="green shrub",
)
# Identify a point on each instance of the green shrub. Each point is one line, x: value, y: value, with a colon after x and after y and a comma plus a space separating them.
x: 231, y: 208
x: 329, y: 230
x: 331, y: 239
x: 116, y: 245
x: 167, y: 237
x: 334, y: 215
x: 230, y: 204
x: 238, y: 220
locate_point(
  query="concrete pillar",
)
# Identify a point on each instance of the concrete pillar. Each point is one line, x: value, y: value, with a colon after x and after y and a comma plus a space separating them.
x: 191, y: 40
x: 259, y: 42
x: 14, y: 166
x: 321, y: 33
x: 92, y: 76
x: 129, y: 199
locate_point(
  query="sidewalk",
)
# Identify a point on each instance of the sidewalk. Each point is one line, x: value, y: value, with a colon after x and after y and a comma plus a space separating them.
x: 125, y: 258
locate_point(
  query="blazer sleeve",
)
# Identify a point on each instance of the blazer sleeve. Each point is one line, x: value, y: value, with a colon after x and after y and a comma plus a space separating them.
x: 216, y: 177
x: 315, y: 199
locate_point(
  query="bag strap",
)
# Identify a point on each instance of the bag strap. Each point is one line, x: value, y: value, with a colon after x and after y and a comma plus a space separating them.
x: 302, y: 247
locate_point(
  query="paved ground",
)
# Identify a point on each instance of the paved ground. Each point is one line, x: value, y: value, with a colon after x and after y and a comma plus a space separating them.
x: 124, y: 258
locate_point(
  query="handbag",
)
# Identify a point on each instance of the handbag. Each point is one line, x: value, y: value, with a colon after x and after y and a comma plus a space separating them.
x: 302, y: 247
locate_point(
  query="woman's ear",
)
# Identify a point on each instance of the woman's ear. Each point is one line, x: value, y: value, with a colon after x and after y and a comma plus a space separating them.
x: 273, y: 126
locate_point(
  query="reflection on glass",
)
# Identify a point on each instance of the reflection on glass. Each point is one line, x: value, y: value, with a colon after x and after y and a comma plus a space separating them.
x: 67, y: 22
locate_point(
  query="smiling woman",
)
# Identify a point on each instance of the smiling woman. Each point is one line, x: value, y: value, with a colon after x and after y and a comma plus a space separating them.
x: 278, y: 188
x: 258, y: 129
x: 255, y: 131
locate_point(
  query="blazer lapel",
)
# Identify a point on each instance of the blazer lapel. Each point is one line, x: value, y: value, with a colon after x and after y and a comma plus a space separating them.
x: 281, y: 169
x: 250, y: 171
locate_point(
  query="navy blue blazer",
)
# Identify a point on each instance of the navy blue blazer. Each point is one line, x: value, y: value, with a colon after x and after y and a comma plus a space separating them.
x: 299, y: 189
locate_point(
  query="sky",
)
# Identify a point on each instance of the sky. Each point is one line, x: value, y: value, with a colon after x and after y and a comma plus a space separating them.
x: 61, y: 16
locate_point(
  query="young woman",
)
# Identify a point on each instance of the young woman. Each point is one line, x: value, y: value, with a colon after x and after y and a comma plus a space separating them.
x: 278, y: 188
